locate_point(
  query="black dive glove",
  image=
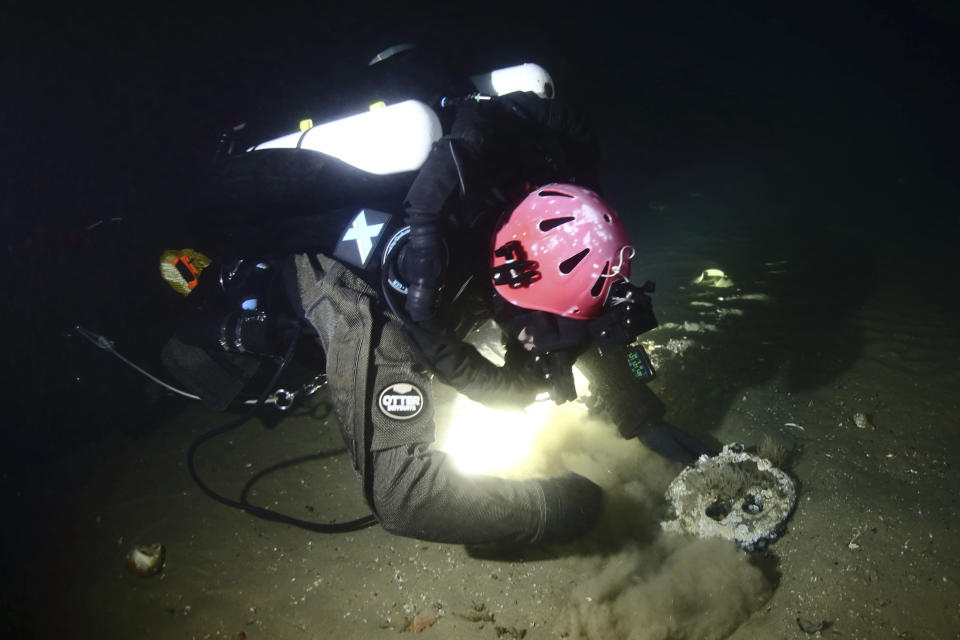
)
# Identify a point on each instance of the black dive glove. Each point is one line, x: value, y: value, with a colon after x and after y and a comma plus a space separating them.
x: 670, y: 441
x: 553, y: 372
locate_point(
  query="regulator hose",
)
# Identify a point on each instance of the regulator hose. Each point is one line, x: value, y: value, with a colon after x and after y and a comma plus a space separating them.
x: 243, y: 505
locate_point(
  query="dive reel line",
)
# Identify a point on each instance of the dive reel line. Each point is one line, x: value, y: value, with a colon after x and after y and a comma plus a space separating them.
x: 281, y: 398
x: 243, y: 505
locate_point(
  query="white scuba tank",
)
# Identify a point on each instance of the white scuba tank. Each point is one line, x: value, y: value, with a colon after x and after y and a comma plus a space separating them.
x: 399, y: 137
x: 384, y: 140
x: 522, y: 77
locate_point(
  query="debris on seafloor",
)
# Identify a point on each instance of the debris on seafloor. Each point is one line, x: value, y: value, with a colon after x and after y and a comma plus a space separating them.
x: 146, y: 560
x: 677, y: 346
x: 863, y: 421
x: 714, y: 278
x: 426, y: 619
x: 852, y: 545
x: 479, y: 613
x: 810, y: 627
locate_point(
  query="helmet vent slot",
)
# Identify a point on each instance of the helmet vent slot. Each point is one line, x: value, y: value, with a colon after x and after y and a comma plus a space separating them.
x: 571, y: 263
x: 551, y: 193
x: 598, y: 285
x: 553, y: 223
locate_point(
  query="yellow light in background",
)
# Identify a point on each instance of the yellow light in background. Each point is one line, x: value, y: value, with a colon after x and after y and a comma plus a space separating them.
x: 378, y: 105
x: 714, y: 278
x: 306, y: 125
x: 481, y: 440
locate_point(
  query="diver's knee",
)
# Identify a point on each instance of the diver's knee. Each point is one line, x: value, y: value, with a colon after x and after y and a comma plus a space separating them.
x: 390, y: 498
x: 574, y: 504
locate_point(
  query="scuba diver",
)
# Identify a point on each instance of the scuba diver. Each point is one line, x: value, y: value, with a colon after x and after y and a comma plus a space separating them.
x: 504, y: 222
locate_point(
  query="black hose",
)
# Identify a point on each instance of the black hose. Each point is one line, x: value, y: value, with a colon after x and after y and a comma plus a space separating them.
x: 260, y: 512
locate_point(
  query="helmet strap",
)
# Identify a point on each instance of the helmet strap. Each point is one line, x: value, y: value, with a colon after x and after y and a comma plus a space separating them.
x: 615, y: 270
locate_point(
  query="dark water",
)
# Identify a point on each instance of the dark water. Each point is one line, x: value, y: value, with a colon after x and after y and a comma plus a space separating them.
x: 808, y: 154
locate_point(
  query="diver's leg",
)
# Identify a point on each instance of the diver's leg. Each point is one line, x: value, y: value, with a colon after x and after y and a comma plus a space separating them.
x: 419, y: 493
x: 414, y: 491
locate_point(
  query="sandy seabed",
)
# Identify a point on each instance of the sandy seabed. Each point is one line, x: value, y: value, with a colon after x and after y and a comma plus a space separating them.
x: 775, y: 349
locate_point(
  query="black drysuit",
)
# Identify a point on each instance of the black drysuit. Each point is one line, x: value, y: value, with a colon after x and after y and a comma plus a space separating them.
x: 495, y: 152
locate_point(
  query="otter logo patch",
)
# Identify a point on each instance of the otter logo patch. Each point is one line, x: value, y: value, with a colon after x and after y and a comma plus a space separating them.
x: 401, y: 401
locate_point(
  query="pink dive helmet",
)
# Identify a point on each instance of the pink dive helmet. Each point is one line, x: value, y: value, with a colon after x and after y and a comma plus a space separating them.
x: 560, y: 251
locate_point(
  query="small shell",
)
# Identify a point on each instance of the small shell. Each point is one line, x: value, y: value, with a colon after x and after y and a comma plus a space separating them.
x: 425, y: 619
x: 146, y: 560
x: 862, y: 421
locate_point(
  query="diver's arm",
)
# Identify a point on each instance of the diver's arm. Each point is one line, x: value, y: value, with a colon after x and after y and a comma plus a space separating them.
x: 427, y: 201
x: 435, y: 192
x: 462, y: 367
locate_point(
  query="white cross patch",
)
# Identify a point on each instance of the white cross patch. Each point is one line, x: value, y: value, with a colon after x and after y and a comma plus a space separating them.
x: 363, y: 234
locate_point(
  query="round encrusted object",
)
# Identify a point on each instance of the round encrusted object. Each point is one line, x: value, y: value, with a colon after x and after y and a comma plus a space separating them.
x: 734, y: 495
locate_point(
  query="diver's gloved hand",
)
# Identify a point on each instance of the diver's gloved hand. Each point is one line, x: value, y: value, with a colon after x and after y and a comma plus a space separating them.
x: 421, y: 305
x: 669, y: 441
x: 422, y: 265
x: 573, y: 503
x: 557, y: 370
